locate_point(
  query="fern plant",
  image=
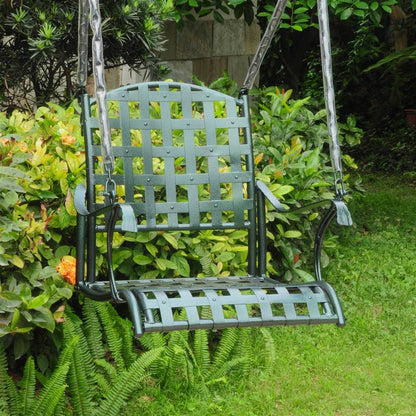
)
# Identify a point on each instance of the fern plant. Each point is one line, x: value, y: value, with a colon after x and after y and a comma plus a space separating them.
x: 191, y: 359
x: 19, y: 398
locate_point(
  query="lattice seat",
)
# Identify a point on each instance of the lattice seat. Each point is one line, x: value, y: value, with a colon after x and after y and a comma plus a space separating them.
x: 183, y: 157
x: 216, y: 303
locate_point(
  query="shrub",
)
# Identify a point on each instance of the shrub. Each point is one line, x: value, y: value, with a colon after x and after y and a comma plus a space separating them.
x: 38, y: 57
x: 42, y: 160
x: 291, y: 146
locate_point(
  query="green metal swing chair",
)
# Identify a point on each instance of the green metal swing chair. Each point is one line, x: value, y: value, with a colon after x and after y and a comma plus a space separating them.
x: 138, y: 199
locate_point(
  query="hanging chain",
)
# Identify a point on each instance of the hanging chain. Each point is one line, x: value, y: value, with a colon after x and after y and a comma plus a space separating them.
x: 82, y: 71
x: 100, y: 87
x: 263, y: 46
x: 329, y: 91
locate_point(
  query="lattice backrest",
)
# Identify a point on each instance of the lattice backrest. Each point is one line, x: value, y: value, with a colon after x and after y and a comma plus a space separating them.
x: 183, y: 156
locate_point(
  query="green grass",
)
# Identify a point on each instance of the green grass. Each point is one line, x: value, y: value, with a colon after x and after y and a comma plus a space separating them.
x: 366, y: 368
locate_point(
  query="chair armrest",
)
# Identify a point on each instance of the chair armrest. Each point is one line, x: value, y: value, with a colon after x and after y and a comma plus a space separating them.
x: 128, y: 218
x: 263, y: 188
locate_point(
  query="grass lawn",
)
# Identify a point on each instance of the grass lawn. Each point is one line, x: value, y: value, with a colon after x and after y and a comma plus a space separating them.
x: 366, y: 368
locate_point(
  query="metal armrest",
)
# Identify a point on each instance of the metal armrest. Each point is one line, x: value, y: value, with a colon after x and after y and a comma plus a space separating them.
x: 128, y: 218
x: 343, y: 215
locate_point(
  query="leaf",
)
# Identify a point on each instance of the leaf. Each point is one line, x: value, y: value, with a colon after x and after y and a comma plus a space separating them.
x: 218, y: 247
x: 164, y: 264
x: 238, y: 235
x: 37, y: 301
x: 17, y: 261
x: 182, y: 264
x: 10, y: 185
x: 346, y: 14
x: 43, y: 317
x: 292, y: 234
x: 305, y: 276
x: 152, y: 249
x: 171, y: 239
x: 14, y: 172
x: 142, y: 260
x: 361, y: 5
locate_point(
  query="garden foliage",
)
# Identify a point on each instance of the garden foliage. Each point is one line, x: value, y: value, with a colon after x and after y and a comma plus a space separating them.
x: 100, y: 365
x: 38, y: 53
x: 42, y: 161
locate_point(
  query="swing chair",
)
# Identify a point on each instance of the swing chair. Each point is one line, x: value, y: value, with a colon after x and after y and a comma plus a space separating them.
x: 125, y: 194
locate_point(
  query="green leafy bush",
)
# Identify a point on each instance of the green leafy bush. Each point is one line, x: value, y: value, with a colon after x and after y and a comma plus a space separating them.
x: 38, y: 54
x: 42, y: 160
x: 291, y: 143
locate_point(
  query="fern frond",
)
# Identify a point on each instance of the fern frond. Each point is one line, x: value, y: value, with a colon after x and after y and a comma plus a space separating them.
x: 201, y: 351
x: 206, y: 264
x: 108, y: 318
x: 51, y: 393
x: 224, y: 350
x: 28, y: 384
x: 110, y: 371
x: 81, y: 369
x: 180, y: 361
x: 127, y: 344
x: 269, y: 349
x: 9, y: 398
x: 127, y: 383
x: 227, y: 367
x: 244, y: 349
x: 105, y: 376
x: 92, y: 328
x: 153, y: 340
x: 4, y: 408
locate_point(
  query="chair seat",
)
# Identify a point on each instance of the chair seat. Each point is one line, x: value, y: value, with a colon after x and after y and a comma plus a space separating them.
x: 222, y: 302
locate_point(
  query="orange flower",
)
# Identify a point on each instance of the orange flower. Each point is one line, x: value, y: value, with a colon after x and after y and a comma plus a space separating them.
x: 68, y: 140
x: 66, y: 268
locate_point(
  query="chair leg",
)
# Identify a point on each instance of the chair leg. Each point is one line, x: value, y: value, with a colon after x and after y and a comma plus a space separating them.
x: 134, y: 310
x: 319, y: 239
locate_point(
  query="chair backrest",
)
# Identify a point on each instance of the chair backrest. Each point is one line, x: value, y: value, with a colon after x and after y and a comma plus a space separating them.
x: 183, y: 156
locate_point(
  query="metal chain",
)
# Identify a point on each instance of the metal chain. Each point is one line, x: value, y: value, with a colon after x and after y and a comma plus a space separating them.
x: 100, y: 87
x: 82, y: 71
x: 329, y: 92
x: 263, y: 46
